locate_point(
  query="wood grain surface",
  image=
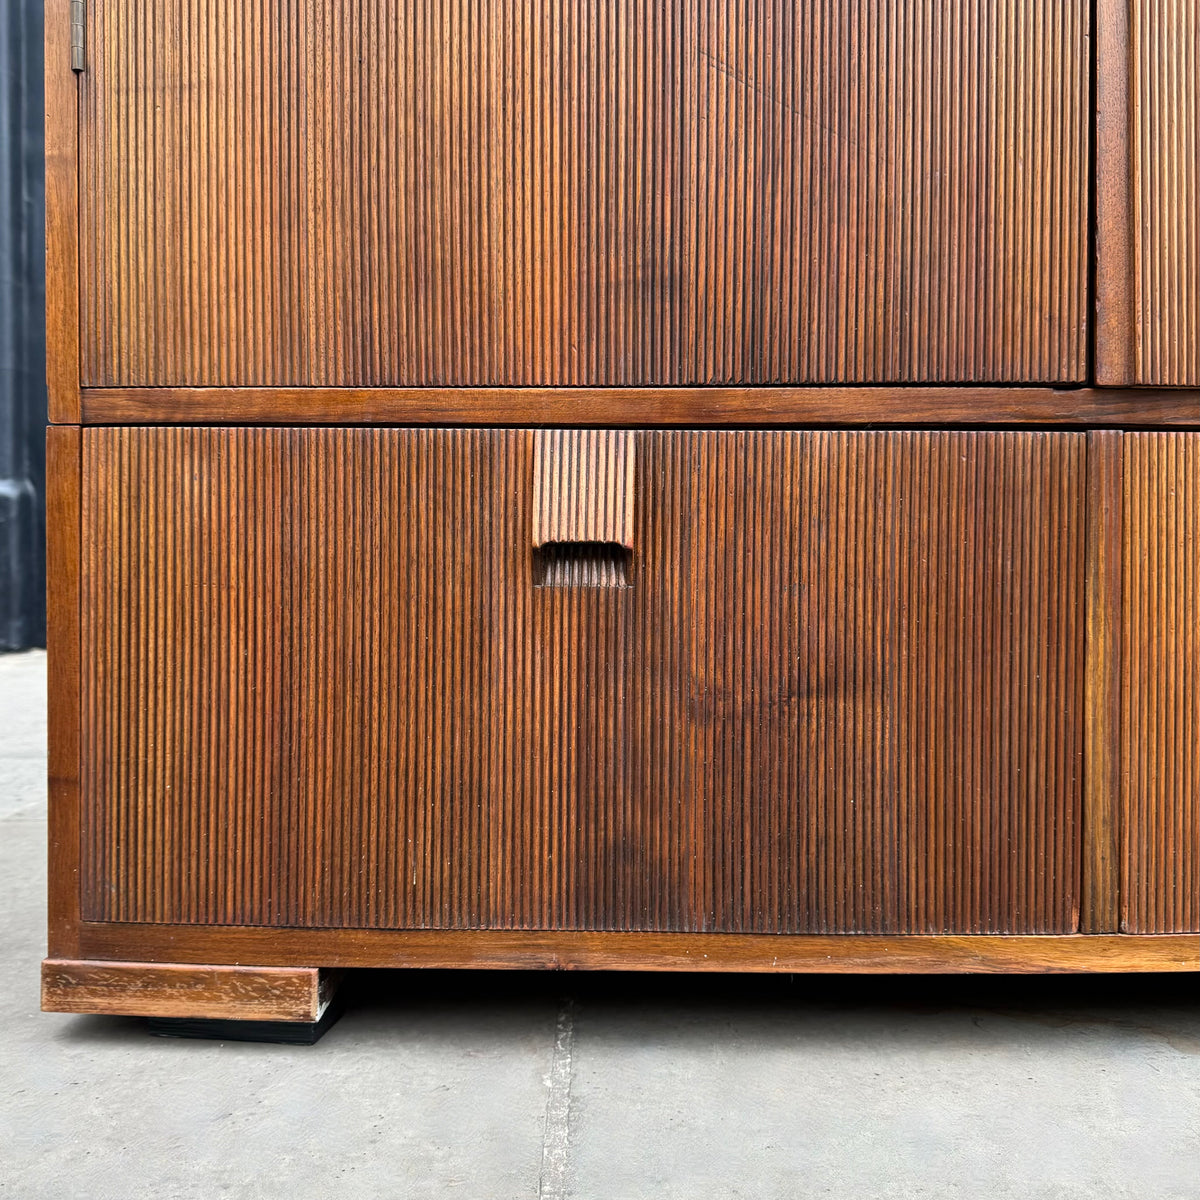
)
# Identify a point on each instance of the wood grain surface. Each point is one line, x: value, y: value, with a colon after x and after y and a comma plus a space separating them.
x: 1113, y: 234
x: 339, y: 694
x: 583, y: 486
x: 62, y: 217
x: 1100, y: 910
x: 575, y: 192
x: 843, y: 693
x: 686, y: 407
x: 140, y: 989
x: 577, y: 950
x: 1160, y: 703
x: 1148, y: 192
x: 1165, y: 96
x: 64, y: 673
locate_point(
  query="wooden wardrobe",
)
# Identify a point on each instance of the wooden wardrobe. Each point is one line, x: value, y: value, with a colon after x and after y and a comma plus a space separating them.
x: 644, y: 484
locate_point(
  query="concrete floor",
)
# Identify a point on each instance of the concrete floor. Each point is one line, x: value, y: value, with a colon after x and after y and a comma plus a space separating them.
x: 598, y: 1087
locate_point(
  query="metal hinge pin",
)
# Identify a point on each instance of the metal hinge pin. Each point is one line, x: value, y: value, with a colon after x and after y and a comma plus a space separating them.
x: 77, y: 47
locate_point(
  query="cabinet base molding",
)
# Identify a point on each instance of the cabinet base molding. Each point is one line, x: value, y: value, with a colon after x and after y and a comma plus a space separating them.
x: 187, y: 992
x: 574, y: 950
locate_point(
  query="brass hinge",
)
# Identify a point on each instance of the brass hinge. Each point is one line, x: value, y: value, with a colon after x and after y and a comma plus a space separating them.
x: 77, y: 18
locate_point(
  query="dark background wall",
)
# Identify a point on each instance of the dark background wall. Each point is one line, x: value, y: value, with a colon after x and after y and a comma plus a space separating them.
x: 22, y: 329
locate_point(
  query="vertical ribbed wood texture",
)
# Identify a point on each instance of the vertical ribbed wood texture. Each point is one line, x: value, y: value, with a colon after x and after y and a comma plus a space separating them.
x: 1165, y: 98
x: 570, y: 192
x: 843, y: 693
x: 583, y: 486
x: 879, y: 638
x: 1160, y: 711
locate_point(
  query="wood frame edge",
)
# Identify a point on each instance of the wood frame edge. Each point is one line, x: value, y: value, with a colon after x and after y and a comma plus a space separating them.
x: 1115, y: 312
x: 615, y: 951
x: 1100, y: 894
x: 646, y: 406
x: 63, y: 314
x: 64, y: 465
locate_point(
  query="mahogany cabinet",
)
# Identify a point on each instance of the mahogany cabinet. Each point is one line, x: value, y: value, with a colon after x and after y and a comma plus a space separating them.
x: 705, y: 484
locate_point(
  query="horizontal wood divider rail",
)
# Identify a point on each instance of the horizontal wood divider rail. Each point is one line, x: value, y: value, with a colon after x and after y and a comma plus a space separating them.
x: 834, y: 954
x: 141, y: 989
x: 874, y: 405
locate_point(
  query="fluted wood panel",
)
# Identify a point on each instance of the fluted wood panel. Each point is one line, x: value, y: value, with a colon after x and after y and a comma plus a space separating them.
x: 583, y: 486
x: 875, y: 645
x: 1165, y: 96
x: 1160, y: 710
x: 842, y: 693
x: 297, y: 670
x: 459, y: 192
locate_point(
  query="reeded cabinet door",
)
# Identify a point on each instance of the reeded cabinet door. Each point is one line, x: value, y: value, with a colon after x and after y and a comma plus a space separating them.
x: 869, y: 671
x: 789, y: 682
x: 295, y: 673
x: 1148, y: 193
x: 1160, y: 677
x: 324, y: 688
x: 575, y: 192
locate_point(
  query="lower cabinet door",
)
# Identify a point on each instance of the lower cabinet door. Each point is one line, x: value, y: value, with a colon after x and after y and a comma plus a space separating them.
x: 1160, y: 694
x: 743, y: 681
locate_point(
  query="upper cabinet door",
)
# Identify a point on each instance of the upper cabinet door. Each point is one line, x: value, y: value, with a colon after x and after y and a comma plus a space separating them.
x: 583, y: 192
x: 1148, y: 193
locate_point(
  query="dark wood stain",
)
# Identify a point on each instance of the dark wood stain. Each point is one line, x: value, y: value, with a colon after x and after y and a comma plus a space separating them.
x: 581, y: 950
x: 1160, y: 674
x: 843, y: 693
x: 1148, y: 193
x: 1102, y: 685
x: 706, y: 192
x: 627, y: 485
x: 686, y: 407
x: 64, y: 607
x: 62, y: 219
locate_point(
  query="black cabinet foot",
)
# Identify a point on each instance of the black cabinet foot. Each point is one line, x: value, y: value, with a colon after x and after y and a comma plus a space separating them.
x: 284, y: 1033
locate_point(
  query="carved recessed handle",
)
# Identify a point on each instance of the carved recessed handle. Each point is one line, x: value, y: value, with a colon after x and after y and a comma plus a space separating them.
x: 581, y: 564
x: 583, y: 487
